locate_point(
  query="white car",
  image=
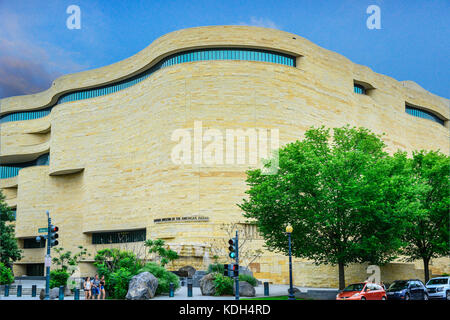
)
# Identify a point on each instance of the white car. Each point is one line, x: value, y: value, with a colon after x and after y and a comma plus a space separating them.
x: 439, y: 288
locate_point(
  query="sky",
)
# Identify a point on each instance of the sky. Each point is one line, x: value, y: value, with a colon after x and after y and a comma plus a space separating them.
x: 36, y: 46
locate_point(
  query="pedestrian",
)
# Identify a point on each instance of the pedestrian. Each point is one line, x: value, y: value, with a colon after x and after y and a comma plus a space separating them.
x: 87, y: 288
x: 102, y: 287
x: 96, y: 287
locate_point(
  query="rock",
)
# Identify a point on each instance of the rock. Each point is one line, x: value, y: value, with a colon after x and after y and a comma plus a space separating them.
x: 142, y: 286
x: 245, y: 270
x: 207, y: 285
x: 186, y: 271
x: 245, y: 289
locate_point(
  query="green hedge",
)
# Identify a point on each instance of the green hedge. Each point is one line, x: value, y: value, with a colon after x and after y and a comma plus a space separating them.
x: 6, y: 275
x: 164, y: 277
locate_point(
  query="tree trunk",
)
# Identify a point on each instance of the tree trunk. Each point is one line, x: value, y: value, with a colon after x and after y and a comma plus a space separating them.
x: 341, y: 276
x: 426, y: 268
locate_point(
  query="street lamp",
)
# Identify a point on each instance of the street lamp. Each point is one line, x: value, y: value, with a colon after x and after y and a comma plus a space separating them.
x: 291, y: 296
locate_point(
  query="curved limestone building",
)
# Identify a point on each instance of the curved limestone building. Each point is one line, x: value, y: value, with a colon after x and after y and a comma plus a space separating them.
x: 139, y: 149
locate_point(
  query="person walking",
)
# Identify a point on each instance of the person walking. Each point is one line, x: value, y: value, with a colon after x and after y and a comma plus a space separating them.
x: 87, y: 288
x: 102, y: 287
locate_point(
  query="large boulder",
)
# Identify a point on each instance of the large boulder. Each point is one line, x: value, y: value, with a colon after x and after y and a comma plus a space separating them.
x: 142, y: 286
x: 245, y: 289
x: 186, y: 271
x: 207, y: 285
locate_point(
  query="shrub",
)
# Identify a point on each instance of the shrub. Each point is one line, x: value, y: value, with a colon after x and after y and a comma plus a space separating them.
x: 6, y: 275
x: 223, y: 285
x: 248, y: 278
x: 118, y: 267
x: 164, y: 277
x: 119, y: 283
x: 58, y: 278
x: 215, y: 267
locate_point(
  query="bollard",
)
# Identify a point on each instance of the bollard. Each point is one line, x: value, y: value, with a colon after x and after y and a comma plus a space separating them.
x: 19, y: 290
x: 61, y: 292
x: 6, y: 290
x: 266, y: 289
x: 76, y: 295
x: 189, y: 287
x: 171, y: 290
x: 33, y: 290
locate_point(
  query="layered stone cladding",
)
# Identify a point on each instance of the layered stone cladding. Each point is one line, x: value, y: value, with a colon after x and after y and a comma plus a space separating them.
x: 110, y: 156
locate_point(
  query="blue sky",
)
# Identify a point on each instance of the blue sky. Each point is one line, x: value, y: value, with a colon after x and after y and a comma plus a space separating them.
x: 36, y: 46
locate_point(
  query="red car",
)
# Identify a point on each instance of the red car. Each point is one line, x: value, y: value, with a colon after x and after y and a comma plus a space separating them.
x: 362, y: 291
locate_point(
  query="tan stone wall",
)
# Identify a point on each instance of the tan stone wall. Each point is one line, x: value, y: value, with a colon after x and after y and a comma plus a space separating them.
x: 118, y: 147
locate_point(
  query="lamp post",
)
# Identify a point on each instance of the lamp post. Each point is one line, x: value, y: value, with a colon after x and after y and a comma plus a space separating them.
x: 291, y: 296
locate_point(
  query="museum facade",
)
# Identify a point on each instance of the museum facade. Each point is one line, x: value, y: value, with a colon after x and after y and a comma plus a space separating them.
x: 100, y: 149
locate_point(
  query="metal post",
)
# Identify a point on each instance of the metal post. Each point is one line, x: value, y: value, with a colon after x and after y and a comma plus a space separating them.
x: 19, y: 290
x: 49, y: 244
x: 266, y: 289
x: 6, y: 290
x: 291, y: 289
x: 76, y: 295
x: 61, y: 292
x: 171, y: 290
x: 33, y: 290
x: 236, y: 278
x: 189, y: 287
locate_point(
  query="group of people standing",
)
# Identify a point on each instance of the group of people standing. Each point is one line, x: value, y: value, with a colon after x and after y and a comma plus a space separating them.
x: 94, y: 288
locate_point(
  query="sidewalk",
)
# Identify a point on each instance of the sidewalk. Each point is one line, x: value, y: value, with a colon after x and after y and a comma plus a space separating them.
x: 181, y: 294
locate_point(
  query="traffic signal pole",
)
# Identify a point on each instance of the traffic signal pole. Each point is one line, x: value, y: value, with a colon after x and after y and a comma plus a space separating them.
x: 236, y: 278
x: 47, y: 258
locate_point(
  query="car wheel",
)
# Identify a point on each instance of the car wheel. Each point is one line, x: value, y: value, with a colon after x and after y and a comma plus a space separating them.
x: 363, y: 298
x: 448, y: 295
x: 407, y: 297
x: 383, y: 298
x: 425, y: 297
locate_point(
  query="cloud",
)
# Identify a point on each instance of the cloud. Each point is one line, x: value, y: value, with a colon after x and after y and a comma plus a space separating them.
x: 26, y: 65
x: 260, y: 22
x: 20, y: 76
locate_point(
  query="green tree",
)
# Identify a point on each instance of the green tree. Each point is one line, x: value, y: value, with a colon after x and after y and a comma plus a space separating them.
x: 66, y: 261
x: 341, y: 195
x: 427, y: 233
x: 164, y: 255
x: 9, y: 250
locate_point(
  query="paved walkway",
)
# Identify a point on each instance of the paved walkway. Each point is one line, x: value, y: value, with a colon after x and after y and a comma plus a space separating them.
x: 181, y: 294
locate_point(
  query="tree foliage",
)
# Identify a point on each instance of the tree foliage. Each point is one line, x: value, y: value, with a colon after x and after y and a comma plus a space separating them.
x: 343, y: 195
x: 9, y: 250
x: 427, y: 233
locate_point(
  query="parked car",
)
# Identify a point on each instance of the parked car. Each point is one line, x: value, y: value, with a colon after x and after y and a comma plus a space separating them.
x: 439, y: 288
x: 412, y: 289
x: 362, y: 291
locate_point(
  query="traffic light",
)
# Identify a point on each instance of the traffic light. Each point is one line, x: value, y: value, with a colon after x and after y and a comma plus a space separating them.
x: 225, y: 270
x: 235, y: 270
x: 232, y: 248
x: 54, y: 236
